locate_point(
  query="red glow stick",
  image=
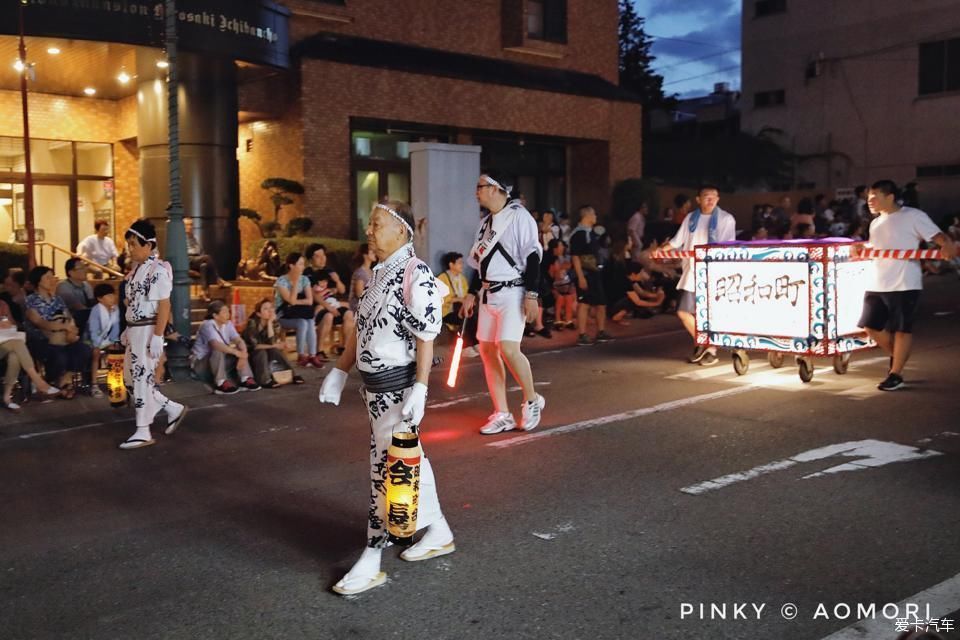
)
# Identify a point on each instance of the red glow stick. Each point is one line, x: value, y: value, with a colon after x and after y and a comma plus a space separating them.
x: 455, y: 361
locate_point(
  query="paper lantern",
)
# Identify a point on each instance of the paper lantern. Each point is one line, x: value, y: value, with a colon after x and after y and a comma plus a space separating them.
x: 403, y: 487
x: 115, y: 385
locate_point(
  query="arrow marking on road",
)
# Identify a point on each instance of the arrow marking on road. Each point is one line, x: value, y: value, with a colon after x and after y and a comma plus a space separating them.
x: 872, y: 453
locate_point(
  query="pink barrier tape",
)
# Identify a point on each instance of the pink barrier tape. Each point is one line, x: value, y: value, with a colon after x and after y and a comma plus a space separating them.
x: 671, y: 255
x: 903, y: 254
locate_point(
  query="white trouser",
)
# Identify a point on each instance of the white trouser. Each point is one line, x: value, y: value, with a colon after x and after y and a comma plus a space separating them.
x: 138, y: 370
x: 384, y: 412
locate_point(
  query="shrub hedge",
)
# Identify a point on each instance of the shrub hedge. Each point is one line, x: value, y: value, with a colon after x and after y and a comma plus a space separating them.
x: 12, y: 255
x: 339, y: 251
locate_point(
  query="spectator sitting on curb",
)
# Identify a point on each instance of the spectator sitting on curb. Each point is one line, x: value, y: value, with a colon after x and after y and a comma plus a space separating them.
x: 103, y: 329
x: 264, y: 338
x: 641, y: 297
x: 16, y: 357
x: 77, y: 293
x: 458, y: 287
x: 219, y: 350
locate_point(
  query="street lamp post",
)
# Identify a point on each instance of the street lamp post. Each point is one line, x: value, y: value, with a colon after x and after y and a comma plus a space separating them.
x: 28, y: 171
x: 176, y: 249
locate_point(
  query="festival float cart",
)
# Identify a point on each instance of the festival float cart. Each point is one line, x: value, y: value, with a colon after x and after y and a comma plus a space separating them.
x: 785, y: 297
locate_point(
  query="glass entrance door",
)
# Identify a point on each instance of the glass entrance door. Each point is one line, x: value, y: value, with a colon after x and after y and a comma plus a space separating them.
x: 54, y: 213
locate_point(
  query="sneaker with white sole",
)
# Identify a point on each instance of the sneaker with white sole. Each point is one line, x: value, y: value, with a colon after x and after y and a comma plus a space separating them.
x: 497, y: 422
x: 531, y: 413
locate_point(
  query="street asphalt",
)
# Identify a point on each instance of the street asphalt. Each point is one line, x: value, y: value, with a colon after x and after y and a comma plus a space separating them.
x: 238, y: 525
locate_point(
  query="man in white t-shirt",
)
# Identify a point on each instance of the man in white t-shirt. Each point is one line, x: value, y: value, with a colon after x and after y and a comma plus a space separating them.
x: 705, y: 225
x: 99, y: 247
x: 890, y: 302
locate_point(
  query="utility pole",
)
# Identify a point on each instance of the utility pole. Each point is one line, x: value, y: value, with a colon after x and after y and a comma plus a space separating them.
x: 176, y: 249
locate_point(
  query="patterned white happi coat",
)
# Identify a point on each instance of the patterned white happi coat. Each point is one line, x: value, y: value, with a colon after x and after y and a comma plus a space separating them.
x: 389, y: 321
x: 145, y: 286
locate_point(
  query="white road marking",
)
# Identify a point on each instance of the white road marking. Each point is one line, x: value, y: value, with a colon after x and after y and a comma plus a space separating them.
x: 940, y: 599
x: 472, y: 396
x: 872, y: 453
x: 617, y: 417
x: 27, y: 436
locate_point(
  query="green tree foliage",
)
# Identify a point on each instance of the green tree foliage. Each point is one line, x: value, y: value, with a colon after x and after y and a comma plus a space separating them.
x: 280, y: 191
x: 732, y: 162
x: 636, y: 74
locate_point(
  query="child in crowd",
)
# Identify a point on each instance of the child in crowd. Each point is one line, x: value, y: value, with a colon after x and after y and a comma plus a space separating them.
x: 330, y: 312
x: 103, y: 329
x: 564, y: 292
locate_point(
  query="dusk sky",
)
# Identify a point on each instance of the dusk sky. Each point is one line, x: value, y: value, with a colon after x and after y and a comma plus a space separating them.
x: 696, y: 42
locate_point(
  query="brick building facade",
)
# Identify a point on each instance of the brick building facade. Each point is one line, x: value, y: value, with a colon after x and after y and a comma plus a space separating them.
x: 531, y: 81
x: 447, y: 71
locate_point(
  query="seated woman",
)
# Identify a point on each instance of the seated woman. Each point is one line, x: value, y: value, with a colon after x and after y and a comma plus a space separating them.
x: 219, y: 351
x: 103, y: 329
x: 268, y: 262
x: 13, y: 351
x: 264, y: 338
x: 52, y: 336
x: 294, y: 302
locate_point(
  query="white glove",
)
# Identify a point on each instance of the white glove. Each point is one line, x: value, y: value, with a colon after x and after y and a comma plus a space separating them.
x: 416, y: 404
x: 124, y: 339
x: 332, y: 386
x: 156, y: 347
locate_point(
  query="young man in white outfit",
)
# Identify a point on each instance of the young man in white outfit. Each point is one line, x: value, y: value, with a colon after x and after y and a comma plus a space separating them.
x: 147, y: 289
x: 890, y: 302
x: 506, y: 256
x: 706, y: 224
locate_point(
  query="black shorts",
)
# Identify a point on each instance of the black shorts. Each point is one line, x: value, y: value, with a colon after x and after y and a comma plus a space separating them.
x: 890, y: 310
x: 594, y: 296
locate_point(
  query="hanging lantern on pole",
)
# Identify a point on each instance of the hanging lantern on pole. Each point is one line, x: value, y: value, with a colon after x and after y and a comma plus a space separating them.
x: 403, y: 487
x: 115, y: 385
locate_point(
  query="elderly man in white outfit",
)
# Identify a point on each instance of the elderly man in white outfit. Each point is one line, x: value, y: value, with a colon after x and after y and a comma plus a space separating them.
x: 506, y: 256
x: 147, y: 290
x: 398, y: 317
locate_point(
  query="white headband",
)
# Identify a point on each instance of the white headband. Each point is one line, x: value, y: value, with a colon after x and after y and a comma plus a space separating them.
x: 140, y: 235
x: 494, y: 183
x: 397, y: 216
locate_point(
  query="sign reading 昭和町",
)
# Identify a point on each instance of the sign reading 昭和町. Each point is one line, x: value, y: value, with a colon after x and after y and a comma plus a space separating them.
x: 251, y: 30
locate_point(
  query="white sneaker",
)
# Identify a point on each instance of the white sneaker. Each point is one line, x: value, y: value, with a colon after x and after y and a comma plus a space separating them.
x: 497, y: 422
x: 471, y: 352
x: 531, y: 413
